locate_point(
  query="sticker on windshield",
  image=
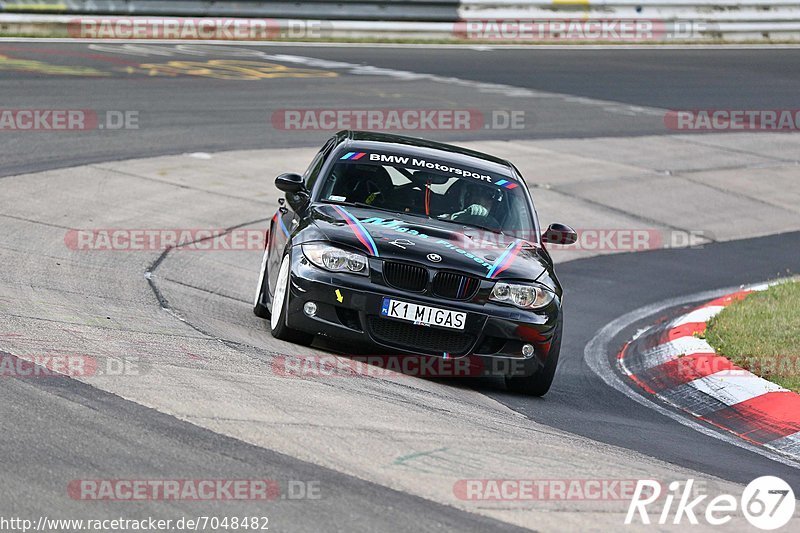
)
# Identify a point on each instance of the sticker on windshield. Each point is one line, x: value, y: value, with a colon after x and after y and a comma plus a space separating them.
x: 507, y: 184
x: 424, y: 164
x: 353, y: 156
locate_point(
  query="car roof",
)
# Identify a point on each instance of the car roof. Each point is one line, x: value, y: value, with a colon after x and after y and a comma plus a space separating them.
x: 416, y: 146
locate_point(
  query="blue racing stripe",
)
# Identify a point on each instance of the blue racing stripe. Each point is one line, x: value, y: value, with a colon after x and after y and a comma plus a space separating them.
x: 359, y: 229
x: 283, y: 226
x: 500, y: 260
x: 366, y: 234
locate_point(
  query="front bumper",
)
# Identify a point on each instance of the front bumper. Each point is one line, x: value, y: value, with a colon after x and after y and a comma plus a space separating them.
x: 348, y: 311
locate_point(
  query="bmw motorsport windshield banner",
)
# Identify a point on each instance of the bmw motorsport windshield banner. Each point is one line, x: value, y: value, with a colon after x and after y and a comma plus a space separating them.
x: 420, y: 163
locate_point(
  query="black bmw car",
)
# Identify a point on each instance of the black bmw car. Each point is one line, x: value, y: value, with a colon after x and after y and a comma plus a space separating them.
x: 415, y: 247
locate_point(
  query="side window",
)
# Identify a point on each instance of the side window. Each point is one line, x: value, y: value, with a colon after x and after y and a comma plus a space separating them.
x: 312, y: 172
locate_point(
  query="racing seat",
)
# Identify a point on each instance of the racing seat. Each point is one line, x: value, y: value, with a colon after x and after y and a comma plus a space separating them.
x: 367, y: 184
x: 450, y: 202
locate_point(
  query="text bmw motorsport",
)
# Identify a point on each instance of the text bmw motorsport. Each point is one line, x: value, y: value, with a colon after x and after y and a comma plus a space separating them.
x: 406, y: 245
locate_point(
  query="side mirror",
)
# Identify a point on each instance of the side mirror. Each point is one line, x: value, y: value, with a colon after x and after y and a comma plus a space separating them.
x: 560, y: 234
x: 290, y: 183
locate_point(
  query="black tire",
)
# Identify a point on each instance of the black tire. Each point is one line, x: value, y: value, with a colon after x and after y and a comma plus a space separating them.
x: 280, y: 303
x: 539, y: 383
x: 262, y: 292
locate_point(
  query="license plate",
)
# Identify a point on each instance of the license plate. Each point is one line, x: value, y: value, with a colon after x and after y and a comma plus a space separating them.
x: 423, y: 314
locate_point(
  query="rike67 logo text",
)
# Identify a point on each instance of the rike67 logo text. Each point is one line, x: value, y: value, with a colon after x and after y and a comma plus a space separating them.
x: 767, y: 503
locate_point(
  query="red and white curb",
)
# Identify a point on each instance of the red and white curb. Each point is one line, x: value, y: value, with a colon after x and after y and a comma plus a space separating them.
x: 669, y: 361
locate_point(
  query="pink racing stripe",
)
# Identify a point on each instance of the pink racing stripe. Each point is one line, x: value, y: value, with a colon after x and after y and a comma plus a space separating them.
x: 358, y: 230
x: 507, y: 257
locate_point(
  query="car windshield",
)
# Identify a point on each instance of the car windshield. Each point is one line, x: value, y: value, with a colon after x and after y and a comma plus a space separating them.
x: 433, y: 189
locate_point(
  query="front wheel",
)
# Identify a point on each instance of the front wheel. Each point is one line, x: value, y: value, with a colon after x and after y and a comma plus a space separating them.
x: 539, y: 383
x: 280, y: 306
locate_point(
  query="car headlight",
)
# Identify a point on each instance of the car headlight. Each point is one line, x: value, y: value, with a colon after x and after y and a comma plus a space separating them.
x: 524, y: 296
x: 335, y: 259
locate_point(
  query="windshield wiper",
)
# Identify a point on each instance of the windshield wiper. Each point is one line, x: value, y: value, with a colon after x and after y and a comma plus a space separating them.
x: 419, y: 215
x: 368, y: 206
x: 477, y: 226
x: 493, y: 230
x: 357, y: 204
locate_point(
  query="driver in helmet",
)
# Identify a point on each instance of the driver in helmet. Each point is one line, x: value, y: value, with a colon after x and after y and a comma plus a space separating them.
x: 479, y: 201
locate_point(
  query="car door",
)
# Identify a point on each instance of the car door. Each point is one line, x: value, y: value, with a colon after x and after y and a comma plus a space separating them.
x: 285, y: 220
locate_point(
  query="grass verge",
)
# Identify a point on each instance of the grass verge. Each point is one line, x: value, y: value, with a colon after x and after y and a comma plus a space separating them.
x: 762, y: 334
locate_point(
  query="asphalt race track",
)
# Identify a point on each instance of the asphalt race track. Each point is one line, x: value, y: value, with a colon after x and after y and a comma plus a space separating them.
x: 78, y: 429
x: 198, y: 113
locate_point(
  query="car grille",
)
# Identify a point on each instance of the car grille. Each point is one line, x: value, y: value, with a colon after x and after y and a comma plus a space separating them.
x: 455, y: 286
x: 404, y: 276
x: 419, y: 338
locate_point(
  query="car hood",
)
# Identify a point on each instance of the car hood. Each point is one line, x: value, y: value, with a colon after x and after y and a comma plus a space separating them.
x: 402, y: 237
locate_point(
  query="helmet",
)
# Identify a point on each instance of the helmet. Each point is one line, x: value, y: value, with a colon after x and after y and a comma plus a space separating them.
x: 481, y: 194
x: 367, y: 180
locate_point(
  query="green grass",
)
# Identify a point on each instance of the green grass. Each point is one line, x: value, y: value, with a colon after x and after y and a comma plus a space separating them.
x: 762, y: 334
